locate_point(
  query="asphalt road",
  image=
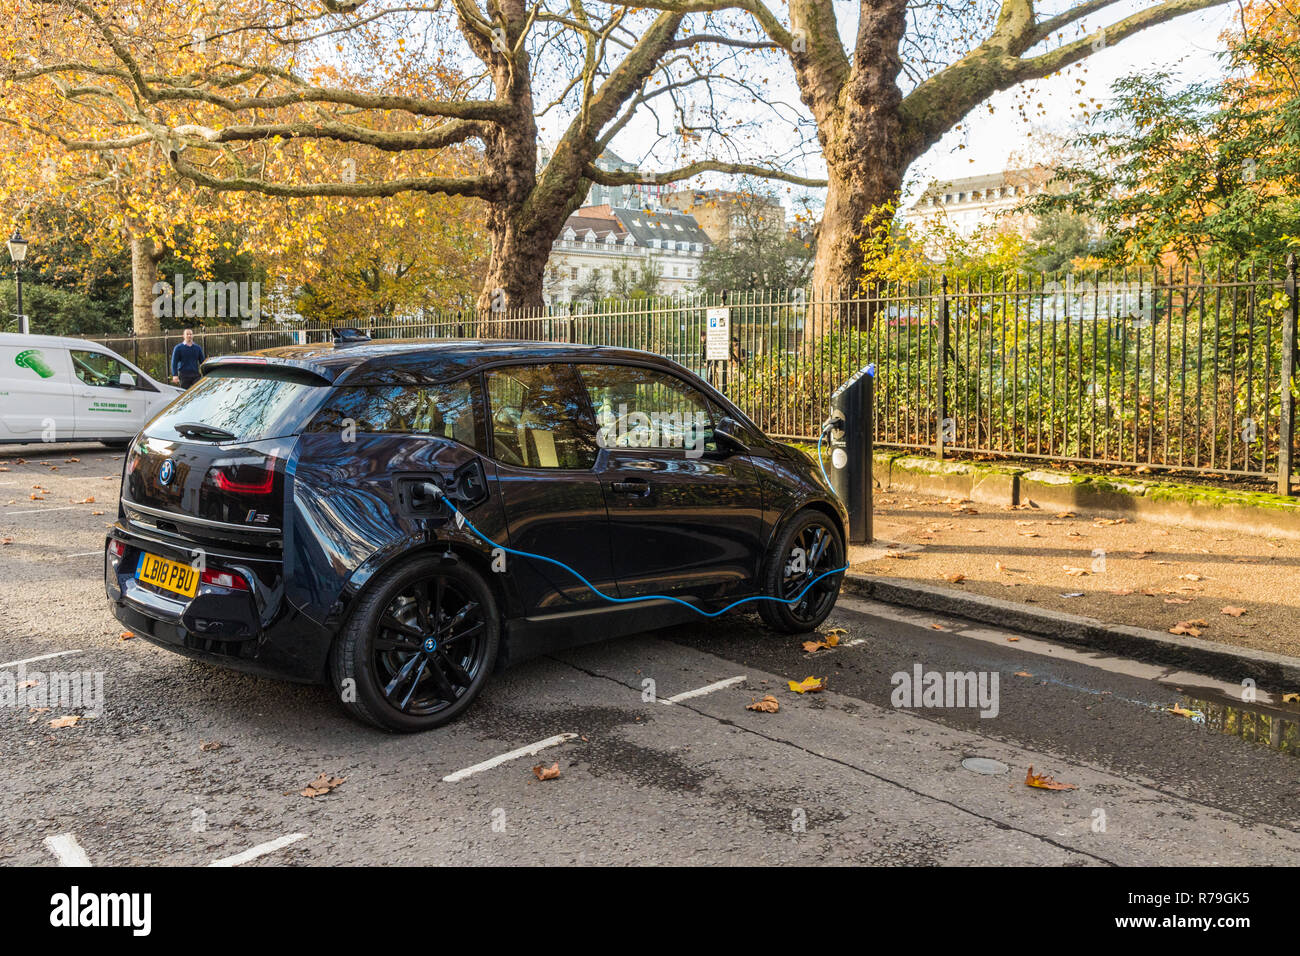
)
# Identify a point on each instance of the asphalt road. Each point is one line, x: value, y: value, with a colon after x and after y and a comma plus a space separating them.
x: 837, y: 777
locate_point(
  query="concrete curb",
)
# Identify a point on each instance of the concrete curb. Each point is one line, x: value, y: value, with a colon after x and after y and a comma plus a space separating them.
x: 1274, y: 672
x: 1162, y: 502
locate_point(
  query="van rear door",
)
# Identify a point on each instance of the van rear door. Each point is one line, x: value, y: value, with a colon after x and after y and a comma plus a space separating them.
x: 35, y: 393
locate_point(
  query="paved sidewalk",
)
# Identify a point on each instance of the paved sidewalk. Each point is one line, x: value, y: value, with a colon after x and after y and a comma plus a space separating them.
x: 1116, y: 569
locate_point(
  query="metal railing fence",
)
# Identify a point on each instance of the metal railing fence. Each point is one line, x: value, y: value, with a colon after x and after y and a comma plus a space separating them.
x: 1158, y: 367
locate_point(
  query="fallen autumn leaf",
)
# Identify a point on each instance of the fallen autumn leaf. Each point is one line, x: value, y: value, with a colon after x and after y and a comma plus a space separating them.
x: 808, y: 685
x: 1045, y: 782
x: 322, y: 785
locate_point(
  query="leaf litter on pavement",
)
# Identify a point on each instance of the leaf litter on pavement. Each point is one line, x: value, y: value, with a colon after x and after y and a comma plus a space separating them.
x: 322, y: 785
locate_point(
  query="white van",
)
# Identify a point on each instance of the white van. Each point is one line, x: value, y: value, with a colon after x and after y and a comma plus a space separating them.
x: 61, y: 389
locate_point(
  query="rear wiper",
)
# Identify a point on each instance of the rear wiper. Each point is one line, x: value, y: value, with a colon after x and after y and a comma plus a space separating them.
x: 199, y: 430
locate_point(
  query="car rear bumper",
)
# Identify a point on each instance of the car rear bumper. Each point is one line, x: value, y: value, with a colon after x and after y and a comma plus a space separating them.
x: 255, y: 631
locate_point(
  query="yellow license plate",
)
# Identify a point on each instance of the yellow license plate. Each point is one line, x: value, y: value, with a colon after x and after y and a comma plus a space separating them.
x: 168, y: 575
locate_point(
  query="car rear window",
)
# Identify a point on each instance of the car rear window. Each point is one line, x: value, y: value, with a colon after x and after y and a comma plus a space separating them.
x: 250, y: 403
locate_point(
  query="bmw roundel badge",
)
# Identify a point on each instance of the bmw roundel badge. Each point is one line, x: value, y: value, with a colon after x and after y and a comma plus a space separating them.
x: 166, y: 472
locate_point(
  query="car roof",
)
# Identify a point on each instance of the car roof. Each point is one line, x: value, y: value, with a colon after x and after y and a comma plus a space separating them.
x: 426, y: 361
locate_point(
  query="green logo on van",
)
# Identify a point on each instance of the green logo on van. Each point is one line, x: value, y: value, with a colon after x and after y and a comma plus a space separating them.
x: 34, y: 360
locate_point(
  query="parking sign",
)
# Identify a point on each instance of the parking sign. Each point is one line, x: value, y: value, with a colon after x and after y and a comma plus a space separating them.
x: 717, y: 340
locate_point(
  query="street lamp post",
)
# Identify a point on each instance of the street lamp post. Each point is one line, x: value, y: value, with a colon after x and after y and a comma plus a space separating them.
x: 18, y: 252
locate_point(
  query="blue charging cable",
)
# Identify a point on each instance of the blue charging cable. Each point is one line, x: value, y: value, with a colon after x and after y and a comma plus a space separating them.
x: 652, y: 597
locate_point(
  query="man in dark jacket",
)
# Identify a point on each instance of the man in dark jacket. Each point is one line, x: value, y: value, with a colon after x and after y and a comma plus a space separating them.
x: 186, y: 359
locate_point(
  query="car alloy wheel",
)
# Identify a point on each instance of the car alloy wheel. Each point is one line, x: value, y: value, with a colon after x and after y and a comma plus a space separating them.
x: 429, y: 646
x: 808, y: 548
x: 419, y: 646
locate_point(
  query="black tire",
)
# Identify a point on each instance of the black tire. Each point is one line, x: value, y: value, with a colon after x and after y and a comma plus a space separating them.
x: 823, y: 548
x: 383, y: 668
x: 117, y: 444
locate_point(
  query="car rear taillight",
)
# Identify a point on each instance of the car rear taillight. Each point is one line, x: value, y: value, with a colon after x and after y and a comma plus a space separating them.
x: 224, y: 579
x: 116, y: 548
x: 244, y: 479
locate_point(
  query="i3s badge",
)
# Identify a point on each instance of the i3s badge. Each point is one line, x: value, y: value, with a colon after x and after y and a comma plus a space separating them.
x: 166, y: 472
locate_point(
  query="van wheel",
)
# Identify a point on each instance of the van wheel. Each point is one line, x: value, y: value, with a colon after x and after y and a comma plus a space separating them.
x: 117, y: 444
x: 808, y: 547
x: 419, y: 646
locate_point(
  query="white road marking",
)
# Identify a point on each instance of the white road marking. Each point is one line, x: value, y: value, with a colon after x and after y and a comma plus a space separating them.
x: 82, y: 554
x: 67, y: 849
x: 262, y: 849
x: 701, y: 691
x: 38, y: 511
x: 530, y: 751
x: 43, y: 657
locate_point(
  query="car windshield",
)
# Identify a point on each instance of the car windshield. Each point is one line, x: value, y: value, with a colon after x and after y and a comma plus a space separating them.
x: 247, y: 404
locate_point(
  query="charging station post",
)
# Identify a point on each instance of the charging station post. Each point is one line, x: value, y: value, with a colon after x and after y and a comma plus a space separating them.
x: 851, y: 435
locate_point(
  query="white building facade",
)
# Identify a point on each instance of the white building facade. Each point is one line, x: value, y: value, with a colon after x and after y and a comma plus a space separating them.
x: 598, y: 243
x: 975, y: 203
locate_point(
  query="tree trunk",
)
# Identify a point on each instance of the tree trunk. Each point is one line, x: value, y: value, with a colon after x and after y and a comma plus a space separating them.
x: 850, y: 199
x: 860, y: 125
x: 530, y: 206
x: 516, y: 265
x: 145, y: 258
x: 523, y: 226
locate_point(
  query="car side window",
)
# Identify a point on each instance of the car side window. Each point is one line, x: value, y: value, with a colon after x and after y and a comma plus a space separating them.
x: 539, y: 417
x: 96, y: 368
x: 453, y: 410
x: 644, y: 408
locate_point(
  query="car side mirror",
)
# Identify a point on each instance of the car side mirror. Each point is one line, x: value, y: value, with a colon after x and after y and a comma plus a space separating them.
x: 126, y: 380
x: 729, y: 435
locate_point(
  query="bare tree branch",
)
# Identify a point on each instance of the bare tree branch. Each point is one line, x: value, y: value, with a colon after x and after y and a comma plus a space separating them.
x: 618, y: 178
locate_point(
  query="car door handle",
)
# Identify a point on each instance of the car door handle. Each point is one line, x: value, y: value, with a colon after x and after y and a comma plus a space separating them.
x: 636, y: 486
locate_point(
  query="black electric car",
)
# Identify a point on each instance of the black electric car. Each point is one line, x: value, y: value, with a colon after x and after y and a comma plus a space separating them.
x: 366, y: 514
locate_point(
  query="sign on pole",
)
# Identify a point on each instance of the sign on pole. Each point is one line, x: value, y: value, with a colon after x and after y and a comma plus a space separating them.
x: 717, y: 341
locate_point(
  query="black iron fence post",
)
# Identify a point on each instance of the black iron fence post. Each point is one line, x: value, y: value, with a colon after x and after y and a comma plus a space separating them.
x: 1286, y: 380
x: 941, y: 370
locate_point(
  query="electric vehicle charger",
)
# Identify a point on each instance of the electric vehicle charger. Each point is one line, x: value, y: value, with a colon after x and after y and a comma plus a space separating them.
x: 437, y: 493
